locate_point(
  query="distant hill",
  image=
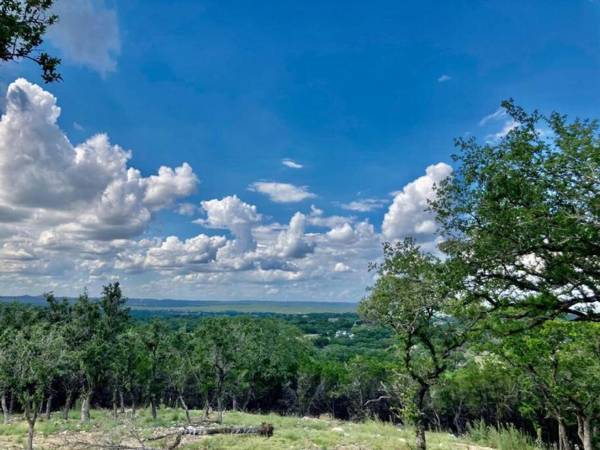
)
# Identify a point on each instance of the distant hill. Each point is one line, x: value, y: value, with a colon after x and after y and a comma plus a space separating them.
x: 176, y: 307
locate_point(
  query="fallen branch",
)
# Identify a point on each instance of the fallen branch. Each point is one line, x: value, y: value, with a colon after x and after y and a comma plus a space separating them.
x: 265, y: 429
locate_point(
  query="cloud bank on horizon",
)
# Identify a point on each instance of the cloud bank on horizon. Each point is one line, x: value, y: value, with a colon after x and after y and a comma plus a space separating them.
x: 79, y: 215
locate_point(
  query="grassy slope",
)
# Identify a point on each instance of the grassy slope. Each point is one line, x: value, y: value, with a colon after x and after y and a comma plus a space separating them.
x: 290, y: 433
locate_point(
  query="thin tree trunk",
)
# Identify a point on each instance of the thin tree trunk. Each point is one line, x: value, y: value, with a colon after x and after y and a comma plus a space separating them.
x: 115, y: 409
x: 420, y: 441
x: 220, y: 409
x: 31, y: 425
x: 584, y: 430
x: 563, y: 440
x: 49, y: 407
x: 122, y: 401
x: 206, y: 407
x: 185, y: 408
x: 11, y: 404
x: 133, y: 405
x: 153, y: 406
x: 5, y: 411
x: 538, y: 434
x: 86, y: 398
x: 68, y: 402
x: 31, y: 412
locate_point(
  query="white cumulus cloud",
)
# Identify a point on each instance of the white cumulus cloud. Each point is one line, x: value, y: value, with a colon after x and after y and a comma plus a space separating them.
x: 282, y: 192
x: 341, y: 267
x: 408, y: 214
x: 291, y: 243
x: 86, y: 189
x: 234, y: 215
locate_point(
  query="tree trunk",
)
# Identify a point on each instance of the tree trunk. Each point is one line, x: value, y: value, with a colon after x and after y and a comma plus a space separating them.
x: 122, y: 401
x: 31, y: 412
x: 67, y: 407
x: 5, y: 411
x: 220, y: 409
x: 563, y: 440
x: 31, y: 424
x: 538, y: 434
x: 153, y: 405
x: 86, y: 398
x: 49, y: 407
x: 584, y: 430
x: 420, y: 442
x: 115, y: 408
x: 11, y: 404
x: 185, y: 408
x: 206, y: 407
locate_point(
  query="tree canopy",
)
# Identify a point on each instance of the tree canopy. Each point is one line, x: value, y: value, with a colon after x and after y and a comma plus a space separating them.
x: 522, y: 215
x: 23, y: 24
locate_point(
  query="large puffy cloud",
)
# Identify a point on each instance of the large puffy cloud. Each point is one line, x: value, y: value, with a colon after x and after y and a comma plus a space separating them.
x: 169, y: 184
x: 85, y: 190
x: 282, y: 192
x: 408, y: 214
x: 87, y: 33
x: 68, y: 209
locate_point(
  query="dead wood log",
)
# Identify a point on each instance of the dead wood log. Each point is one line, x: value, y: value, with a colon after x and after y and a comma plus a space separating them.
x: 265, y: 429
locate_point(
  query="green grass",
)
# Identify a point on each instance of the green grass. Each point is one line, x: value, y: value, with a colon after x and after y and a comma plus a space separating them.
x: 503, y: 438
x: 290, y: 433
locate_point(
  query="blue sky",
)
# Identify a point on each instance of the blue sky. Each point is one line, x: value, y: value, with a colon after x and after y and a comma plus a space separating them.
x: 365, y: 96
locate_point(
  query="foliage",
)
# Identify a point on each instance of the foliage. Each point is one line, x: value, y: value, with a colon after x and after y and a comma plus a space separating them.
x: 522, y: 216
x: 23, y: 24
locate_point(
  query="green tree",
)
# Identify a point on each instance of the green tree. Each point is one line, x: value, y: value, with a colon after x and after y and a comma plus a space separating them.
x: 181, y: 368
x: 14, y: 318
x: 23, y: 24
x: 418, y: 297
x: 224, y: 339
x: 155, y: 340
x: 115, y: 319
x: 522, y: 215
x: 84, y: 338
x: 35, y: 357
x: 561, y: 359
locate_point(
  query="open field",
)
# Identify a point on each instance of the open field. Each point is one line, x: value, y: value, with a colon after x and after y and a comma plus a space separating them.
x: 290, y: 433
